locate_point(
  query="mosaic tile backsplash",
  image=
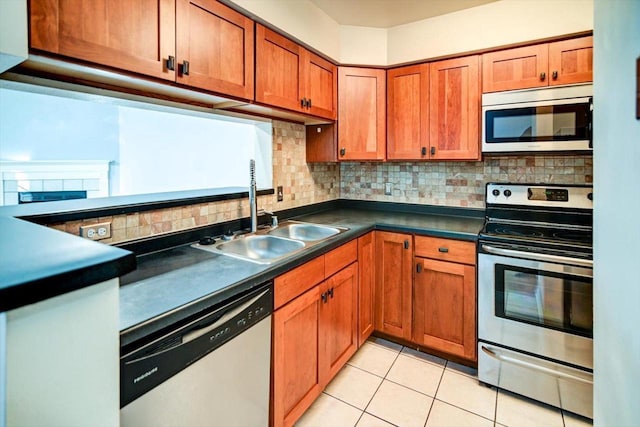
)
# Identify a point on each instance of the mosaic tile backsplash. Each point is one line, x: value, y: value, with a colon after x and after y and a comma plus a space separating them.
x: 460, y: 184
x: 457, y: 183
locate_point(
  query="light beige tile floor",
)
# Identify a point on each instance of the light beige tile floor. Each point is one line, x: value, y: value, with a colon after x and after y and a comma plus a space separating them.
x: 385, y: 384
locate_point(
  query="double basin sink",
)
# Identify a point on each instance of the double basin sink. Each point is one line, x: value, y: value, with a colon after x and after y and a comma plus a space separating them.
x: 267, y: 247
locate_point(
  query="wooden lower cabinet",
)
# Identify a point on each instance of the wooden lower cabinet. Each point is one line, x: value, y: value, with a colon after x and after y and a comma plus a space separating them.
x: 296, y: 380
x: 366, y: 284
x: 393, y: 270
x: 338, y: 336
x: 313, y: 337
x: 444, y: 307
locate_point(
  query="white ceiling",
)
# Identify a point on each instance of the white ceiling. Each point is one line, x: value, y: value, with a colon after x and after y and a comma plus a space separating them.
x: 389, y: 13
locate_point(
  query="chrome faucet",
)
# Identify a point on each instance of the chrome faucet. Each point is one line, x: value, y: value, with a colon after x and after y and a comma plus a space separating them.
x: 253, y: 200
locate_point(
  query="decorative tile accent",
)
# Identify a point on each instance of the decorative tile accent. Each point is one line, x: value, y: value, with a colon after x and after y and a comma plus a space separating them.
x: 457, y: 183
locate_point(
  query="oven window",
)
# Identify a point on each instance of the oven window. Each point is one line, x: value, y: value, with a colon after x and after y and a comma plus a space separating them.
x: 547, y: 299
x: 545, y: 123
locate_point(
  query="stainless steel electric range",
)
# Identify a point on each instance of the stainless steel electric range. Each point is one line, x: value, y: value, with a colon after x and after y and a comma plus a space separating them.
x: 535, y: 293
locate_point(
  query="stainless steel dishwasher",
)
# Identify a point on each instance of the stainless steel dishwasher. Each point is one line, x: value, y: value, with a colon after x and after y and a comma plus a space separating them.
x: 212, y: 371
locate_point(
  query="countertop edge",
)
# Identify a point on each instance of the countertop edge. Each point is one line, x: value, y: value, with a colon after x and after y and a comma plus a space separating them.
x: 90, y: 264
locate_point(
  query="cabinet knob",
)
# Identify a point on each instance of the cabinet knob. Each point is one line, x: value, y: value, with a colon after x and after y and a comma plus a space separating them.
x: 303, y: 102
x: 324, y: 297
x: 406, y: 244
x: 543, y: 76
x: 433, y: 151
x: 185, y: 68
x: 309, y: 103
x: 343, y: 151
x: 330, y: 292
x: 419, y: 268
x: 423, y: 151
x: 171, y: 63
x: 554, y: 75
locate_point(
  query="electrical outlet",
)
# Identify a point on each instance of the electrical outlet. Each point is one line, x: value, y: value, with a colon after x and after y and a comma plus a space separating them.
x: 387, y: 188
x: 96, y: 231
x: 280, y: 194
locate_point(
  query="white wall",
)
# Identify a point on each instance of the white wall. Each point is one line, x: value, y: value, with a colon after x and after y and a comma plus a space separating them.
x: 495, y: 24
x: 63, y: 360
x: 301, y: 19
x: 616, y: 207
x: 13, y: 33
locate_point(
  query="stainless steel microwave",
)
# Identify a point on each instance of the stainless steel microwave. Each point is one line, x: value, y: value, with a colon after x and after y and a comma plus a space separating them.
x: 531, y: 120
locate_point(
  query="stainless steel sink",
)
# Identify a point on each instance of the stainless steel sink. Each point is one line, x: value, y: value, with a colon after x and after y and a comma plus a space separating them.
x: 269, y: 246
x: 259, y: 248
x: 304, y: 231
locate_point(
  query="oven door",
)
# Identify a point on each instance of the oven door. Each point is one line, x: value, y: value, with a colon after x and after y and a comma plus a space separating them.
x: 539, y: 307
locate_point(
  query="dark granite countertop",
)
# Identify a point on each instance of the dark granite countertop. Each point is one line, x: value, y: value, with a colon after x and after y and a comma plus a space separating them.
x: 198, y: 280
x: 37, y: 263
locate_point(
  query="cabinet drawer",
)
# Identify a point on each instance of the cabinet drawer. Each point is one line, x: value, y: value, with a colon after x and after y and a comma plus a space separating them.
x: 339, y: 258
x: 445, y: 249
x: 295, y: 282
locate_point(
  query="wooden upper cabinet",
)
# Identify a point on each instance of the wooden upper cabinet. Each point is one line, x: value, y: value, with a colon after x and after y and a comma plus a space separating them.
x: 291, y: 77
x: 321, y: 87
x: 361, y: 113
x: 454, y: 109
x: 520, y: 68
x: 546, y: 64
x: 408, y: 113
x: 136, y: 36
x: 393, y: 279
x: 217, y: 44
x: 571, y: 61
x: 278, y: 68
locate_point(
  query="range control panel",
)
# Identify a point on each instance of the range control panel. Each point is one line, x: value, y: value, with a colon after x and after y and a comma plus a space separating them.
x: 574, y: 197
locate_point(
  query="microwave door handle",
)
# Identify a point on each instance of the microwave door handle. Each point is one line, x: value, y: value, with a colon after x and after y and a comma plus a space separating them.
x: 538, y: 257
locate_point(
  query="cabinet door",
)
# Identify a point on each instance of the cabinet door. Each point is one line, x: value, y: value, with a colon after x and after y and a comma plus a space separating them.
x: 321, y: 88
x: 135, y: 36
x: 520, y: 68
x: 571, y: 61
x: 366, y: 276
x: 393, y: 284
x: 279, y: 63
x: 338, y: 322
x: 296, y: 381
x: 217, y: 43
x: 408, y: 113
x: 361, y: 113
x: 445, y: 307
x: 454, y: 109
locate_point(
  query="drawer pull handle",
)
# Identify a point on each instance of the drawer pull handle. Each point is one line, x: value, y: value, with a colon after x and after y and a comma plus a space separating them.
x: 443, y: 250
x: 419, y: 268
x: 406, y: 244
x: 324, y: 297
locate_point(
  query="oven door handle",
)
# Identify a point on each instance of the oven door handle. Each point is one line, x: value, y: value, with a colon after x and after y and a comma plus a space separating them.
x: 538, y: 257
x: 534, y: 367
